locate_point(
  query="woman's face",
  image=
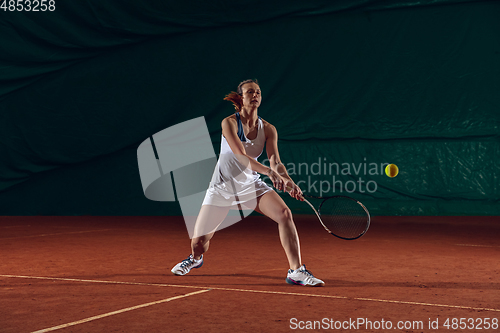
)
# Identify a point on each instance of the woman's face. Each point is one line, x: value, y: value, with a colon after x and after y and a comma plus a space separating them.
x: 251, y: 96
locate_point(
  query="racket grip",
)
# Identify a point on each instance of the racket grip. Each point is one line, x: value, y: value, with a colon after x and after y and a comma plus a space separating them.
x: 288, y: 189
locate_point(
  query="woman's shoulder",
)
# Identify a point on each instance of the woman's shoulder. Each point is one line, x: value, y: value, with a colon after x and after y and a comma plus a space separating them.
x: 267, y: 124
x: 269, y: 128
x: 232, y: 117
x: 229, y: 119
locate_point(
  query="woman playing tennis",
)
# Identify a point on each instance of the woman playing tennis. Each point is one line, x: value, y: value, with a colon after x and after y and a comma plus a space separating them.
x: 236, y: 182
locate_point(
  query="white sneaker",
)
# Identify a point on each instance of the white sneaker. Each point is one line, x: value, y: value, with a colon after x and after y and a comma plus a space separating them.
x: 303, y: 277
x: 186, y: 265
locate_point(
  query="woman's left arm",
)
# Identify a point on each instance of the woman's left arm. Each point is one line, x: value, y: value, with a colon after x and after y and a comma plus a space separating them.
x: 275, y: 163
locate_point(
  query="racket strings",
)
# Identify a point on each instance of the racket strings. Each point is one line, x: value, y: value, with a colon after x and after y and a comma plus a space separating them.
x: 345, y: 217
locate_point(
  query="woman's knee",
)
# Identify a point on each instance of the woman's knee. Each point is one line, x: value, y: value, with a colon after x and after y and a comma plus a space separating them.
x: 285, y: 215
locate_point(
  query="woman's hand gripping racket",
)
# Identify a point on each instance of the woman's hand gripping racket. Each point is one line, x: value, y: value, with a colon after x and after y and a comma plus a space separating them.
x: 342, y: 216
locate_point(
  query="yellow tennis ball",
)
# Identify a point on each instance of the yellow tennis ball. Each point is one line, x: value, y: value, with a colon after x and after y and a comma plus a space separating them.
x: 391, y: 170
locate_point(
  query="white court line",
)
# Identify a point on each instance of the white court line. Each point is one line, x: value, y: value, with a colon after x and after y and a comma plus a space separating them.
x: 119, y: 311
x: 254, y: 291
x: 167, y: 285
x: 427, y: 304
x: 56, y: 234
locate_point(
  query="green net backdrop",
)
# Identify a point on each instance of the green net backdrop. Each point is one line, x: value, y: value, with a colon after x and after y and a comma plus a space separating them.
x: 350, y: 86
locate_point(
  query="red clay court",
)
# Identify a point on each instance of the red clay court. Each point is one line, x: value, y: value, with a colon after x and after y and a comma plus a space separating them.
x: 112, y: 274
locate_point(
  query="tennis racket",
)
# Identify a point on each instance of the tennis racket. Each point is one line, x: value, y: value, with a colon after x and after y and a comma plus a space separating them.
x: 342, y: 216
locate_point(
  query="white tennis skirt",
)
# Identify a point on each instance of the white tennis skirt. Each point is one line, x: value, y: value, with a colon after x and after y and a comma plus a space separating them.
x: 244, y: 195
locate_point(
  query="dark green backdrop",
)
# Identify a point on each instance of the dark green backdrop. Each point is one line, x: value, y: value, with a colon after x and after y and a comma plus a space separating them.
x: 348, y: 83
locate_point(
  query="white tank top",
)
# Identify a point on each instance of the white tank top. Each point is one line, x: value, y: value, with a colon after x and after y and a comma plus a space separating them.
x: 253, y: 147
x: 232, y: 181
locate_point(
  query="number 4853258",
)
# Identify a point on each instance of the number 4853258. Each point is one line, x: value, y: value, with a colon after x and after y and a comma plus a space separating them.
x: 471, y: 323
x: 28, y: 5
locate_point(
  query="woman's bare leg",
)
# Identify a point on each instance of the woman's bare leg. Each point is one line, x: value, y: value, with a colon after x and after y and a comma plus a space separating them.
x: 209, y: 218
x: 271, y: 205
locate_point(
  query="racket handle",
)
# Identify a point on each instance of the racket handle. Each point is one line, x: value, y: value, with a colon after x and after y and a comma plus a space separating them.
x: 288, y: 189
